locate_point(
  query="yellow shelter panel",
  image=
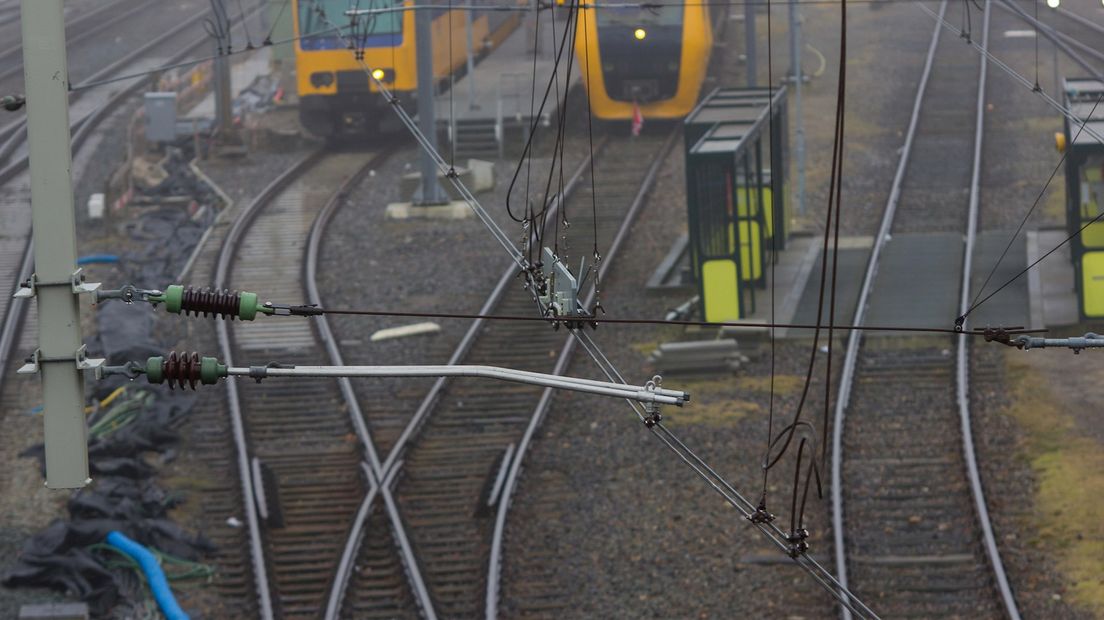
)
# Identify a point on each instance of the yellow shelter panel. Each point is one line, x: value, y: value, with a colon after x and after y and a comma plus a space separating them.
x: 1093, y: 235
x: 750, y: 244
x: 768, y: 206
x: 1092, y: 284
x: 720, y: 291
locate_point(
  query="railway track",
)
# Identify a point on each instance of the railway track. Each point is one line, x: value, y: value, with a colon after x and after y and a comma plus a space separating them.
x: 424, y: 548
x: 90, y: 112
x: 308, y: 433
x: 912, y: 532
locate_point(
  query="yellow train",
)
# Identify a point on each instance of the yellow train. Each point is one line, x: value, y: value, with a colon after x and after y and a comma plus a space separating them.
x: 335, y: 93
x: 655, y: 58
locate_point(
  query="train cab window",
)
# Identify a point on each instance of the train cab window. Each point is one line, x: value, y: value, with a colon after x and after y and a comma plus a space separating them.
x: 666, y: 15
x: 372, y: 30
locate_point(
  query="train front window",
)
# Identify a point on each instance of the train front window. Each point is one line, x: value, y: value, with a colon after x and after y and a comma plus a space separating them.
x: 664, y: 15
x: 332, y: 14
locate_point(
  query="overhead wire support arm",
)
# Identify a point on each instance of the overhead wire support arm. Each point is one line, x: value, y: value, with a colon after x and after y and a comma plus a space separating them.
x: 1075, y: 344
x: 191, y: 369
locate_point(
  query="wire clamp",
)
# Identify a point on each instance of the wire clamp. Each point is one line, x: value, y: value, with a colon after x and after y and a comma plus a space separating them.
x: 761, y: 514
x: 651, y: 408
x: 260, y: 373
x: 130, y: 370
x: 129, y: 294
x: 1000, y: 335
x: 799, y: 543
x: 289, y: 310
x: 959, y: 322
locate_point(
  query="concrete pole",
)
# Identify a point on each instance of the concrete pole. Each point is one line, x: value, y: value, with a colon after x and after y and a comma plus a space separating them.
x: 749, y: 42
x: 799, y: 119
x: 55, y: 242
x: 431, y: 192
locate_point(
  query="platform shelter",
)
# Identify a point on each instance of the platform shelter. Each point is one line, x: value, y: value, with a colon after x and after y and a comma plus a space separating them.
x: 735, y: 181
x: 1085, y: 191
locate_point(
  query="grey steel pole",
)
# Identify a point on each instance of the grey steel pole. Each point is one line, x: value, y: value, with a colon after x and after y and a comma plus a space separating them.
x: 224, y: 115
x: 749, y: 42
x: 471, y: 58
x: 55, y: 242
x: 431, y: 192
x: 799, y: 119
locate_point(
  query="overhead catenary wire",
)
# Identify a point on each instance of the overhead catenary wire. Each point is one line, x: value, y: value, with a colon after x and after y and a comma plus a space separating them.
x: 824, y: 579
x: 643, y: 321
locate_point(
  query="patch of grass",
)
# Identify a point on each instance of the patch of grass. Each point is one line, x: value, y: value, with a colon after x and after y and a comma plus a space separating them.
x: 784, y: 385
x: 714, y: 412
x: 1070, y: 495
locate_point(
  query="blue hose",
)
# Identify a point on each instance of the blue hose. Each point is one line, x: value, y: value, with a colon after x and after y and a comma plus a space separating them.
x: 97, y: 258
x: 154, y: 575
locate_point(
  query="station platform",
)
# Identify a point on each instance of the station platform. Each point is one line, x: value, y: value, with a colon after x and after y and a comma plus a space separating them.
x: 1051, y: 282
x: 917, y: 283
x: 491, y: 105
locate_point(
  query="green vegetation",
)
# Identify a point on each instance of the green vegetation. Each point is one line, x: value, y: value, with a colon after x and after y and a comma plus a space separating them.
x: 1069, y: 498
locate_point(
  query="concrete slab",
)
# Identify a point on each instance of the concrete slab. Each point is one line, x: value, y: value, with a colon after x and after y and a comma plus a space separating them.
x: 1011, y: 306
x: 455, y: 210
x: 917, y: 283
x: 853, y: 255
x: 1051, y: 284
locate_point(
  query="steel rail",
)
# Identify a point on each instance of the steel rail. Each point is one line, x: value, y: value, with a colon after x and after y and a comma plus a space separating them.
x: 1018, y: 77
x: 379, y: 479
x: 462, y: 349
x: 389, y: 469
x: 847, y: 376
x: 823, y: 576
x: 494, y: 562
x: 962, y: 379
x: 348, y: 553
x: 222, y: 277
x: 16, y: 132
x: 962, y: 361
x: 1081, y: 20
x: 83, y: 127
x: 79, y: 36
x: 1066, y: 37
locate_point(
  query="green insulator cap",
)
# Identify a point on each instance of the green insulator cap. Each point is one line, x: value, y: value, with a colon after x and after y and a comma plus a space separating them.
x: 154, y: 373
x: 174, y: 298
x: 210, y: 370
x: 248, y: 306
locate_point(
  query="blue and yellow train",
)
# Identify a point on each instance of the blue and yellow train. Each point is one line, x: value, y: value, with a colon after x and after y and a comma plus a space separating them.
x: 337, y: 96
x: 653, y: 59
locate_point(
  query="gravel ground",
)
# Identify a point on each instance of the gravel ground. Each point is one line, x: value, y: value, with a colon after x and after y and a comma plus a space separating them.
x: 1031, y: 408
x: 632, y: 532
x: 370, y: 261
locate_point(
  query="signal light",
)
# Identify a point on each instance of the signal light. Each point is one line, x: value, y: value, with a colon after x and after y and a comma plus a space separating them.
x: 640, y: 33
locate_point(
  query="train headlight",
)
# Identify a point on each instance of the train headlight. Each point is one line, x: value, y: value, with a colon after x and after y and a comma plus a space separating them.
x: 639, y: 34
x: 322, y: 79
x: 1054, y: 3
x: 379, y: 74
